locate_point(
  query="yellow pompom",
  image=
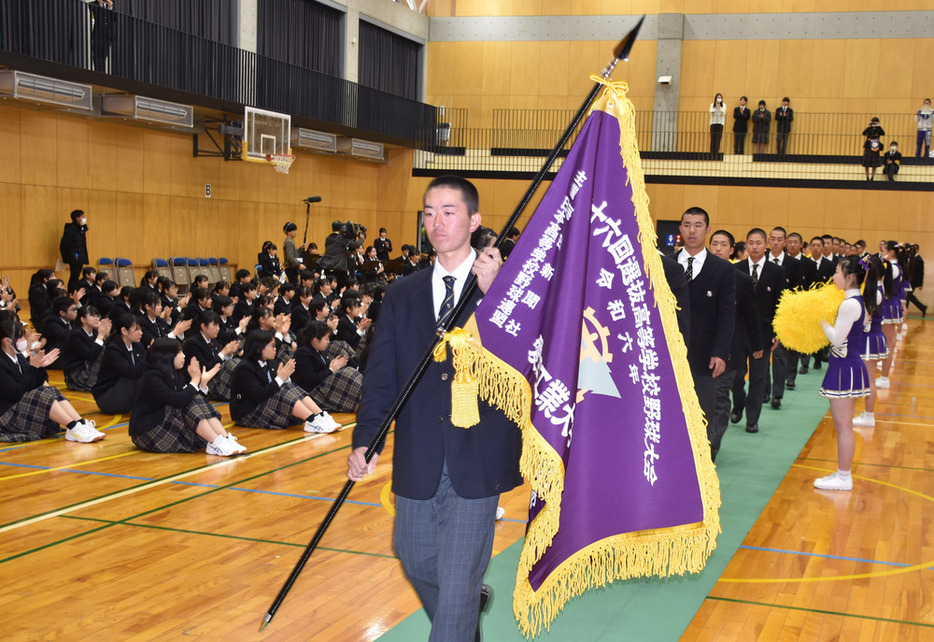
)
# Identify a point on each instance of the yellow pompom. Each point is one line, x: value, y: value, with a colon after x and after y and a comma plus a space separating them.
x: 799, y: 315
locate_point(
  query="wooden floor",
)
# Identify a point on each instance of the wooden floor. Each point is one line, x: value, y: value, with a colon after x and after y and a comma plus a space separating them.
x: 104, y: 541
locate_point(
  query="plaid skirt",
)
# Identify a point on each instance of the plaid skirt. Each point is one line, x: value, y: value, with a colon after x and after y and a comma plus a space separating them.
x: 84, y: 378
x: 285, y: 352
x: 28, y: 419
x: 338, y: 348
x: 276, y: 412
x: 177, y: 432
x: 219, y: 387
x: 340, y: 392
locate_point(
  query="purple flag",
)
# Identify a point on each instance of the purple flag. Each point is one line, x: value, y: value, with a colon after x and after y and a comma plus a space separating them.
x: 582, y: 349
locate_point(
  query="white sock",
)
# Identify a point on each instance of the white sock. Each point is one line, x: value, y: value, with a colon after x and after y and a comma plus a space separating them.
x: 869, y: 415
x: 843, y: 474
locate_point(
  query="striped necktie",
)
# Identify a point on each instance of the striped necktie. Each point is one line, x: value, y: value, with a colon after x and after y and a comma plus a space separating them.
x: 447, y: 306
x: 755, y: 275
x: 689, y: 273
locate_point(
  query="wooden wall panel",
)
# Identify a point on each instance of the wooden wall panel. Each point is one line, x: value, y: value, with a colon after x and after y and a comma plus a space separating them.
x: 38, y: 148
x: 11, y: 161
x: 71, y: 157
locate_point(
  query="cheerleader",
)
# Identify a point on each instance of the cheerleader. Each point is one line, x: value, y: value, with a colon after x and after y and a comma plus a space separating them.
x: 846, y: 377
x: 264, y: 397
x: 83, y: 350
x: 891, y: 308
x: 874, y: 347
x: 174, y: 416
x: 31, y: 409
x: 122, y: 367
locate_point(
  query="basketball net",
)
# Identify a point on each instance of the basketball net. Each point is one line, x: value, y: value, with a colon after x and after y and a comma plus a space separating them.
x: 282, y: 162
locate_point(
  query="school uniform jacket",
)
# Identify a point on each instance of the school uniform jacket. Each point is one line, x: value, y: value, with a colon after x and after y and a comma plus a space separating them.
x: 149, y: 408
x: 281, y: 306
x: 153, y: 330
x: 747, y: 331
x: 17, y: 381
x: 79, y: 348
x: 300, y: 318
x: 311, y: 368
x: 118, y: 364
x: 771, y: 284
x: 207, y: 353
x: 243, y: 309
x: 713, y: 298
x: 251, y: 385
x: 55, y: 330
x: 825, y: 269
x: 119, y: 308
x: 347, y: 331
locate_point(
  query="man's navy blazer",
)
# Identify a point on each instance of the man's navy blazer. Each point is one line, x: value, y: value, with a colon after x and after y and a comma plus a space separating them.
x: 482, y: 461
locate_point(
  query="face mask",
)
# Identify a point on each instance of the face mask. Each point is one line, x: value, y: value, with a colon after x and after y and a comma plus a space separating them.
x: 893, y: 148
x: 21, y: 345
x: 82, y: 221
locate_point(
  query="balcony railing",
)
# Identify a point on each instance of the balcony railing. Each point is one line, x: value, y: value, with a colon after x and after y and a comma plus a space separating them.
x: 129, y: 49
x: 821, y: 146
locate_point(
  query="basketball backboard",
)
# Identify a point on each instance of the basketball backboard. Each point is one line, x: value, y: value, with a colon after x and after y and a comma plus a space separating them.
x: 265, y: 134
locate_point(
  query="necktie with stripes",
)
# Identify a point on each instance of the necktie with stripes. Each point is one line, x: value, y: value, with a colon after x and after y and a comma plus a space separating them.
x: 447, y: 306
x: 755, y: 274
x: 689, y: 273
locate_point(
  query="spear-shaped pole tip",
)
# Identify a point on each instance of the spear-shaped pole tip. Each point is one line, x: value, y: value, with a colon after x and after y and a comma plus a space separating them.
x: 625, y: 45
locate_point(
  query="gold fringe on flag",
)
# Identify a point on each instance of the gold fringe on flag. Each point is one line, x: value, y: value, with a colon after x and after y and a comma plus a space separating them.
x: 661, y: 552
x: 798, y: 317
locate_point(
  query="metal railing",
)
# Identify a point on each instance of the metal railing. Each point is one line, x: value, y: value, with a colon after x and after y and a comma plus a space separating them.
x: 130, y: 49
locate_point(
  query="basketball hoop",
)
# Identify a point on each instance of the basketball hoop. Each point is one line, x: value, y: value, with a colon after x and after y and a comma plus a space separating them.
x: 282, y: 162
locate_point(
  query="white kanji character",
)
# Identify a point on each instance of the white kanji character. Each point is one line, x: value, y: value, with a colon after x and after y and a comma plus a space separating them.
x: 645, y: 337
x: 617, y: 309
x: 648, y: 467
x: 641, y: 315
x: 513, y: 327
x: 627, y: 342
x: 515, y: 292
x: 506, y: 306
x: 652, y: 407
x: 566, y: 421
x: 648, y: 358
x: 649, y: 383
x: 539, y: 254
x: 636, y: 292
x: 535, y: 354
x: 634, y: 372
x: 630, y: 271
x: 499, y: 318
x: 606, y: 279
x: 547, y: 271
x: 531, y: 299
x: 621, y: 249
x: 597, y: 212
x: 653, y: 430
x: 554, y: 396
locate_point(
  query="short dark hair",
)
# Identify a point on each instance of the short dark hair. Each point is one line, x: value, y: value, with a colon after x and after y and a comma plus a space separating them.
x: 755, y: 231
x: 800, y: 238
x: 76, y: 214
x: 242, y: 274
x: 818, y: 238
x: 316, y: 306
x: 466, y: 188
x: 207, y: 317
x: 286, y: 287
x: 61, y: 304
x: 779, y: 228
x: 762, y: 102
x: 314, y: 330
x: 288, y: 227
x: 87, y: 271
x: 697, y: 211
x: 256, y: 340
x: 786, y: 98
x: 744, y: 98
x: 729, y: 237
x: 108, y: 286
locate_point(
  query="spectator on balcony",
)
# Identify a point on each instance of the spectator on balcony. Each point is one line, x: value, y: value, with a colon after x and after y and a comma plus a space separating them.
x: 925, y: 120
x: 783, y: 117
x: 761, y: 122
x: 872, y: 147
x: 892, y: 160
x: 103, y: 33
x: 717, y: 119
x: 740, y: 126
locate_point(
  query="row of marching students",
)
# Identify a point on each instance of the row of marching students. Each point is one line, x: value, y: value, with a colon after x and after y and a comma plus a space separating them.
x: 248, y: 362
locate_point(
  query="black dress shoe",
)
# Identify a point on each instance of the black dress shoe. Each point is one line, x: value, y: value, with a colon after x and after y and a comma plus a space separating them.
x: 803, y: 370
x: 776, y: 403
x: 752, y: 428
x: 736, y: 415
x: 486, y: 597
x: 817, y: 365
x: 790, y: 385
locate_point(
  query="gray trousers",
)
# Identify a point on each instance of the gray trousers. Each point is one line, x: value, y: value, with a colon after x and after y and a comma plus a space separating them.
x: 445, y: 544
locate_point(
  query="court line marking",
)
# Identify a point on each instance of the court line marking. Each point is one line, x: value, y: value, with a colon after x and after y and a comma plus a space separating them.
x: 855, y: 576
x: 821, y: 611
x: 69, y: 466
x: 866, y: 463
x: 165, y: 480
x: 224, y: 535
x: 822, y: 555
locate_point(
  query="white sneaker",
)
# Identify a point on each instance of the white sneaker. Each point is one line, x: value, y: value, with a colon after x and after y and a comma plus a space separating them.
x: 84, y: 432
x: 323, y: 423
x: 221, y: 447
x: 834, y: 482
x: 240, y: 448
x: 882, y: 383
x: 864, y: 420
x: 500, y: 513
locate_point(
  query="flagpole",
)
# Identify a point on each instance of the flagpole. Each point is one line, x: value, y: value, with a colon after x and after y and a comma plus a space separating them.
x: 620, y: 52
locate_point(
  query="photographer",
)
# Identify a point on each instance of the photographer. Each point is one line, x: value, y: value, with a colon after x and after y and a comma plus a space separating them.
x: 337, y: 245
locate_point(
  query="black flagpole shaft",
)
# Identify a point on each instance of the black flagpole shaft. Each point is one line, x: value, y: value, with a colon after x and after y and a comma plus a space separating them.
x: 307, y: 216
x: 620, y: 53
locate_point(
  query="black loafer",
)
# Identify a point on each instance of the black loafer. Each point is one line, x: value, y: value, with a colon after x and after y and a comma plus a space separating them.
x: 752, y: 428
x: 486, y: 598
x: 803, y: 370
x: 790, y: 385
x: 735, y: 416
x: 776, y: 403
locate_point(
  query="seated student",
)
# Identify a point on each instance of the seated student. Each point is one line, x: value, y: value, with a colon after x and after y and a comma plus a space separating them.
x: 262, y: 394
x: 199, y: 300
x: 203, y: 344
x: 154, y: 320
x: 88, y: 279
x: 110, y: 291
x: 230, y: 331
x: 121, y: 304
x: 97, y: 291
x: 122, y: 367
x: 240, y: 279
x: 31, y: 409
x: 268, y: 262
x: 174, y: 416
x: 200, y: 281
x: 221, y: 288
x: 171, y: 300
x: 56, y: 327
x: 150, y: 280
x: 263, y: 319
x: 283, y: 304
x: 349, y: 329
x: 330, y: 378
x: 83, y: 350
x: 308, y: 279
x: 301, y: 308
x: 324, y: 288
x: 244, y: 306
x: 39, y: 301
